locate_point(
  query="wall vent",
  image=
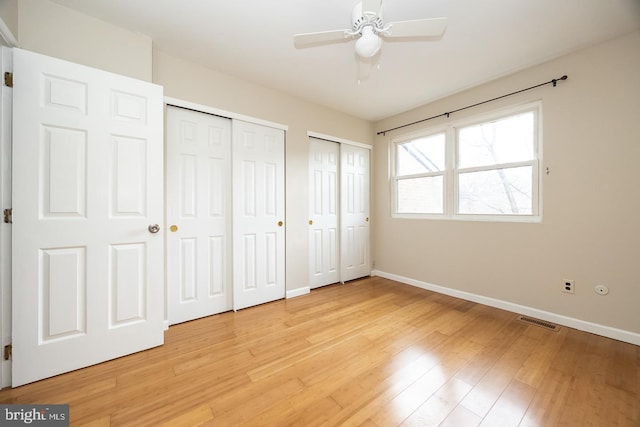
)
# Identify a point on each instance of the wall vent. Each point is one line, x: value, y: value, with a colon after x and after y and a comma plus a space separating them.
x: 537, y: 322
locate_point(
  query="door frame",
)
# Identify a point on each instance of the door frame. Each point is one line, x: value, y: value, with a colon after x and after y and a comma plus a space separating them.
x: 201, y: 108
x: 7, y: 41
x: 341, y: 142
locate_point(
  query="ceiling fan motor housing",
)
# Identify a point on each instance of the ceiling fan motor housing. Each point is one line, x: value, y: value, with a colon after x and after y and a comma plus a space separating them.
x: 359, y: 20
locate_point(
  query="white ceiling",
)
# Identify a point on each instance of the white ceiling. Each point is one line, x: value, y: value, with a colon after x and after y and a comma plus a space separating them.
x: 252, y: 40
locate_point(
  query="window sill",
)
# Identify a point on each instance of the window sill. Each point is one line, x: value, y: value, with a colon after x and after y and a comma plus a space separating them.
x: 476, y: 218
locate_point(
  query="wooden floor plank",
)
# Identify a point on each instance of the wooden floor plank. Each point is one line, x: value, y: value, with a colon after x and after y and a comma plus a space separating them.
x: 438, y: 407
x: 510, y: 408
x: 191, y: 418
x: 488, y: 390
x: 548, y: 405
x: 410, y: 399
x: 371, y: 352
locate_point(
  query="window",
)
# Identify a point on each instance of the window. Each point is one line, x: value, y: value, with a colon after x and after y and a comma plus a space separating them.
x: 483, y: 168
x: 420, y: 169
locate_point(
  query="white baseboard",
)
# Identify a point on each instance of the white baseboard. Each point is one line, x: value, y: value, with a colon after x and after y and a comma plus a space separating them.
x: 298, y: 292
x: 594, y: 328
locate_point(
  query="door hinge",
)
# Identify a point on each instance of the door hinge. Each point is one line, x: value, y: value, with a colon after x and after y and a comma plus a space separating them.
x: 8, y: 349
x: 8, y: 79
x: 8, y: 216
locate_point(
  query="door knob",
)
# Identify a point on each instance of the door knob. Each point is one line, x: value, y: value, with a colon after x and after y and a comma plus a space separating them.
x: 310, y: 222
x: 367, y: 219
x: 154, y: 228
x: 173, y: 228
x: 280, y: 223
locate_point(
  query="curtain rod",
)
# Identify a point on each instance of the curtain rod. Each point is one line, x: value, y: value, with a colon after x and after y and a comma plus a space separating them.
x: 554, y: 82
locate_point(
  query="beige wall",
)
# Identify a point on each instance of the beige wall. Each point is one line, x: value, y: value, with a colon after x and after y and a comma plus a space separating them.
x: 53, y: 30
x: 590, y: 230
x: 9, y: 14
x: 191, y: 82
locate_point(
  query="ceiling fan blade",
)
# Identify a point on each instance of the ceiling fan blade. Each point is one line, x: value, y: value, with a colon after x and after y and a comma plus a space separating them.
x: 314, y: 39
x: 371, y: 6
x: 433, y: 27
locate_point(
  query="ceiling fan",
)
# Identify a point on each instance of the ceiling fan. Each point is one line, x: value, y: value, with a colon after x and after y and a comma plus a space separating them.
x: 369, y: 28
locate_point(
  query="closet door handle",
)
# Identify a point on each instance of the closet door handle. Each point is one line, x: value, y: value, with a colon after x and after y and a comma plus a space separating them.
x: 280, y: 223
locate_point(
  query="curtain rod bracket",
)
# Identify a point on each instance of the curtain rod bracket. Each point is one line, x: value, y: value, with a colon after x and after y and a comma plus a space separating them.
x: 555, y: 81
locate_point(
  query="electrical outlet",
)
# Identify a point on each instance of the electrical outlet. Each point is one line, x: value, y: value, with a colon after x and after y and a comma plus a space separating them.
x: 569, y: 287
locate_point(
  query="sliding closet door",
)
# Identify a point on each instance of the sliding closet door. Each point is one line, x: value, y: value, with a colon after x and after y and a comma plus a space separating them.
x: 354, y: 212
x: 324, y: 235
x: 198, y: 214
x: 258, y: 214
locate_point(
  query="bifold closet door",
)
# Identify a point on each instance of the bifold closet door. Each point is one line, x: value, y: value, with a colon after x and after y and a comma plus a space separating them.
x: 87, y: 257
x: 324, y: 203
x: 258, y: 214
x: 198, y: 214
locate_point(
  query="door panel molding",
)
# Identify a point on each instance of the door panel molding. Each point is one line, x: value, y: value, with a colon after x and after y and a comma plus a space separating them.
x: 199, y: 279
x: 258, y: 214
x: 355, y: 212
x: 86, y: 184
x: 324, y: 212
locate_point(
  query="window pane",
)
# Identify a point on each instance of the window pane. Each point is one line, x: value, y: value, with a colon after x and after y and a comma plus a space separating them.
x: 502, y: 141
x: 421, y: 155
x: 496, y: 192
x: 420, y: 195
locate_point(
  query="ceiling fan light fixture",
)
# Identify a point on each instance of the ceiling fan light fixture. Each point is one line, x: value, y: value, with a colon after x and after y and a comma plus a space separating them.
x: 369, y: 43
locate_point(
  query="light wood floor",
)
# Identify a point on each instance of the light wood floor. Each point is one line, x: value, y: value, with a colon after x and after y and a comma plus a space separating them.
x: 371, y: 352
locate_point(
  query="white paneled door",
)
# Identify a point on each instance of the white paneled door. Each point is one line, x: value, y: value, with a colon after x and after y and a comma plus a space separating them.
x: 354, y: 217
x: 258, y: 214
x: 324, y: 235
x: 198, y: 214
x: 88, y: 277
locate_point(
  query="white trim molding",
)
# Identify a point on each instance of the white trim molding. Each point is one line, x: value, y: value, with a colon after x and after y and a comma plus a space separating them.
x: 7, y: 36
x: 594, y: 328
x: 222, y: 113
x: 298, y: 292
x: 338, y: 140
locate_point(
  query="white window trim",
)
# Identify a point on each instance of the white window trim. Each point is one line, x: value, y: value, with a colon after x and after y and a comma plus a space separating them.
x: 451, y: 174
